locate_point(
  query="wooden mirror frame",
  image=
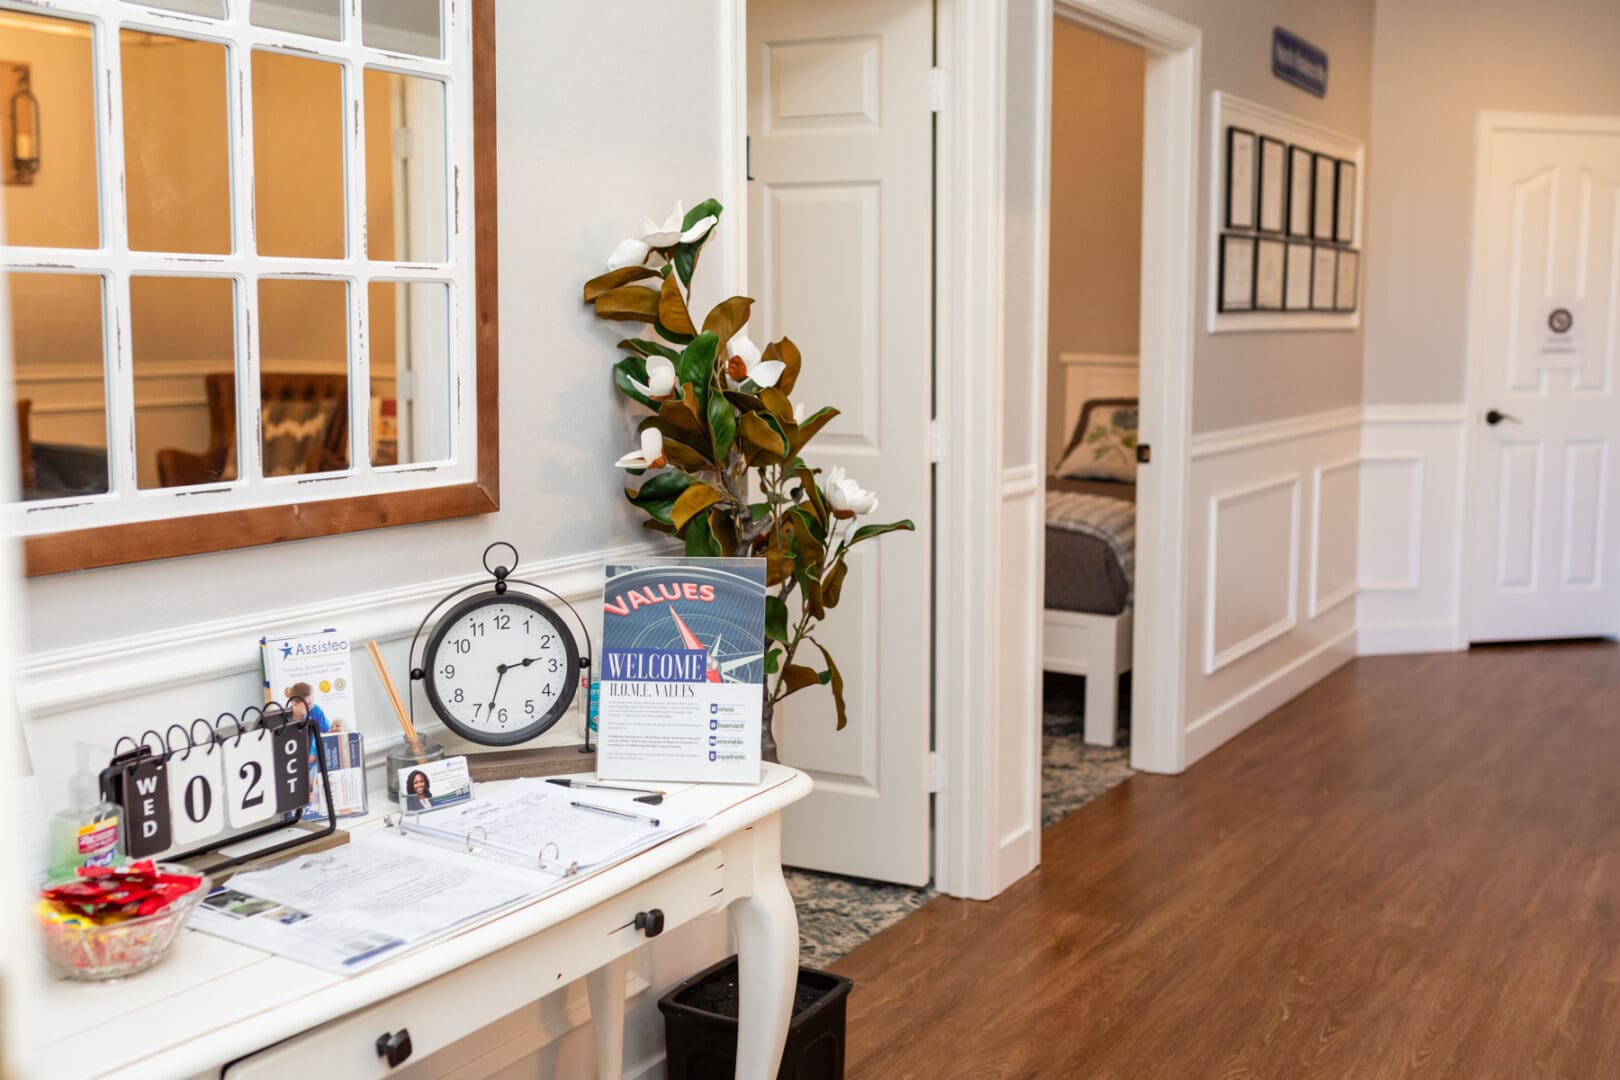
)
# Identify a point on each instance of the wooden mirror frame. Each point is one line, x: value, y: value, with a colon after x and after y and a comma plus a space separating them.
x: 116, y: 545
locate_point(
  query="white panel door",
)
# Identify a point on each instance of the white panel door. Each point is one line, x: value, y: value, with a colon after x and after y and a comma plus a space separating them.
x: 840, y: 209
x: 1546, y: 521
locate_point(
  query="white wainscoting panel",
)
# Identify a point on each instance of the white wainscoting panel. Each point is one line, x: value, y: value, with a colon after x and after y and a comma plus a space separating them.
x: 1412, y: 487
x: 1018, y: 764
x: 1274, y: 519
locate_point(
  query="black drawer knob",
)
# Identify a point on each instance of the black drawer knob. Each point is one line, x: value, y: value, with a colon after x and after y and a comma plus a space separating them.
x: 650, y: 922
x: 396, y: 1046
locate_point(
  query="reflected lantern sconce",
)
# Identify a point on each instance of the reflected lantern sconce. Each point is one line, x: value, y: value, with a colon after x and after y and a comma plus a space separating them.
x: 22, y: 149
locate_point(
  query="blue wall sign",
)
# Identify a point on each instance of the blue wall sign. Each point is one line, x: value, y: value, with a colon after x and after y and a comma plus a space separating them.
x: 1295, y: 60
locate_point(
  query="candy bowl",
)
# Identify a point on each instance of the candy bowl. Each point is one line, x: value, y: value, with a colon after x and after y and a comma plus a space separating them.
x: 81, y: 947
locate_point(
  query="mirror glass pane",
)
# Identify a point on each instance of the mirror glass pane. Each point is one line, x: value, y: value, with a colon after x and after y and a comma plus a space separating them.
x: 403, y: 26
x: 50, y: 196
x: 177, y: 163
x: 59, y: 388
x: 315, y: 18
x: 405, y: 168
x: 304, y: 375
x: 183, y: 339
x: 410, y: 372
x: 298, y: 190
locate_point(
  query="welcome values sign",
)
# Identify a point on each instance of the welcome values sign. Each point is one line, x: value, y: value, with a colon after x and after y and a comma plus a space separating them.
x: 1295, y: 60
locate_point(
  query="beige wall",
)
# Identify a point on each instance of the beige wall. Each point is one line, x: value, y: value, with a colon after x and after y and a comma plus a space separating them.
x: 1096, y: 209
x: 1437, y: 65
x: 1254, y: 377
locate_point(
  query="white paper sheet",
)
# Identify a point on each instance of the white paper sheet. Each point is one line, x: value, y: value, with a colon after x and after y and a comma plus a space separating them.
x: 354, y: 906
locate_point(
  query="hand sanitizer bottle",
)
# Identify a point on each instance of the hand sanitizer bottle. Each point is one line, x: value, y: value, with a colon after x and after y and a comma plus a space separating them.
x: 90, y: 831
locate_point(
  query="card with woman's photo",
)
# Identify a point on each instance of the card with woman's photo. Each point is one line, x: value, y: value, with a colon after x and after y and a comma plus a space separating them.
x: 435, y: 785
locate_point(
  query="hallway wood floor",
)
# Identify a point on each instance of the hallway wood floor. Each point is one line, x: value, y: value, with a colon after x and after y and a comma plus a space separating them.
x: 1413, y: 870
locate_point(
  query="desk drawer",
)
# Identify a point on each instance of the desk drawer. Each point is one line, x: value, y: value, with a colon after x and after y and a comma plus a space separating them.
x: 457, y: 1004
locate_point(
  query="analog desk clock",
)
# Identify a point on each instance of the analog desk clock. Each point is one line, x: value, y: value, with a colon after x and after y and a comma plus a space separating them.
x: 500, y: 665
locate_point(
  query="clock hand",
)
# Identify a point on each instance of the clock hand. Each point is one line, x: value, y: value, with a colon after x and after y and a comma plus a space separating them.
x: 500, y: 677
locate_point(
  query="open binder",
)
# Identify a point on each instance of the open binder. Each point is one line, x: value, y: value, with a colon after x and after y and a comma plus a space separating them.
x: 543, y: 827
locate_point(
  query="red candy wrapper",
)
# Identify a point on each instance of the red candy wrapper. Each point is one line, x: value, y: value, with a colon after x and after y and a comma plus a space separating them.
x: 111, y: 892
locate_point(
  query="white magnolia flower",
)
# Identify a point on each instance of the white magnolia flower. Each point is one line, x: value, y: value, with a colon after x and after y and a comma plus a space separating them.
x: 651, y: 454
x: 845, y: 496
x: 746, y: 362
x: 660, y: 378
x: 656, y: 238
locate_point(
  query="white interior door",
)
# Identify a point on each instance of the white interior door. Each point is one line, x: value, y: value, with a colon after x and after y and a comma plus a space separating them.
x: 1546, y: 507
x: 839, y: 226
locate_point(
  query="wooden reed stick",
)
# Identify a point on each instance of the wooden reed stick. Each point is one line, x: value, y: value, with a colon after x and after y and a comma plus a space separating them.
x: 393, y: 696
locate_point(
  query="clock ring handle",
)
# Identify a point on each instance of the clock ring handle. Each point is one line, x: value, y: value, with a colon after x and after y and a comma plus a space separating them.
x: 499, y: 572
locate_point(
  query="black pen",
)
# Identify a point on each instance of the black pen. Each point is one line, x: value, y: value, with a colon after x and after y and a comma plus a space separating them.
x: 648, y: 795
x: 625, y: 814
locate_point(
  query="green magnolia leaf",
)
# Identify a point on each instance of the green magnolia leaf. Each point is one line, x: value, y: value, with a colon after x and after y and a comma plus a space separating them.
x: 773, y: 660
x: 706, y: 208
x: 614, y: 278
x: 633, y: 367
x: 745, y: 403
x: 659, y: 526
x: 812, y: 424
x: 672, y: 313
x: 776, y: 619
x: 728, y: 317
x: 628, y: 303
x: 699, y: 540
x: 657, y: 496
x: 796, y: 677
x: 684, y: 259
x: 837, y: 682
x: 722, y: 426
x: 695, y: 499
x: 696, y: 363
x: 813, y: 498
x: 867, y: 532
x: 687, y: 457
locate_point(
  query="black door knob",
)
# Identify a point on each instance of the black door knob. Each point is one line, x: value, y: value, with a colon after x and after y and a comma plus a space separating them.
x: 1495, y: 416
x: 650, y: 922
x: 395, y: 1046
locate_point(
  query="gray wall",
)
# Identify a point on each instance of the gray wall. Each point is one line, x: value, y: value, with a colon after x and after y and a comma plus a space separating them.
x: 1436, y: 65
x: 1251, y: 378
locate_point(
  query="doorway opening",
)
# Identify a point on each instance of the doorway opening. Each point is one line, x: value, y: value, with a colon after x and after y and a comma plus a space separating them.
x: 1093, y: 402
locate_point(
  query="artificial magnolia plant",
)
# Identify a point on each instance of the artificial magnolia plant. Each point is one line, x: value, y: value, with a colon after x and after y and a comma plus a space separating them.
x: 721, y: 409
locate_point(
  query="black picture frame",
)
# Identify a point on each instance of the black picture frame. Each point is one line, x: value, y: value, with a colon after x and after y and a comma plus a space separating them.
x: 1266, y: 248
x: 1236, y: 140
x: 1301, y: 185
x: 1320, y: 254
x: 1296, y: 269
x: 1344, y: 203
x: 1278, y: 190
x: 1343, y: 273
x: 1324, y: 208
x: 1234, y: 257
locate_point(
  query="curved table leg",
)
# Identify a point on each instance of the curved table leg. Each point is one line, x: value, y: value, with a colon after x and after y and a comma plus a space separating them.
x: 767, y: 959
x: 605, y: 986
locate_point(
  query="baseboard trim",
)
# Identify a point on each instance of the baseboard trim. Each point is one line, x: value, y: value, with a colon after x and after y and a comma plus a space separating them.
x: 1390, y: 639
x: 1281, y: 686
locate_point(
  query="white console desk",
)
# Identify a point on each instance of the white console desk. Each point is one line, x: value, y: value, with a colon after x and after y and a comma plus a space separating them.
x: 218, y: 1009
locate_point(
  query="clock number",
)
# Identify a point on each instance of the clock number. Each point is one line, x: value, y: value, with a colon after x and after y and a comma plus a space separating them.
x: 556, y: 665
x: 478, y: 707
x: 545, y: 641
x: 461, y: 645
x: 503, y: 622
x: 528, y: 706
x: 477, y: 629
x: 448, y: 671
x: 458, y: 696
x: 501, y: 716
x: 548, y: 691
x: 526, y: 625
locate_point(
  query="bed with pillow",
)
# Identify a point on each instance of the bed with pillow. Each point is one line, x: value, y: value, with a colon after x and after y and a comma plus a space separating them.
x: 1091, y: 558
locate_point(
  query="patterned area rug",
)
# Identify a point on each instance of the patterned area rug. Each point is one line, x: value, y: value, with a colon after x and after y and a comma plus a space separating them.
x: 838, y: 913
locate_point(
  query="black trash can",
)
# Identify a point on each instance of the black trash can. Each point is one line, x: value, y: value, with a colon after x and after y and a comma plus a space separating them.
x: 700, y: 1026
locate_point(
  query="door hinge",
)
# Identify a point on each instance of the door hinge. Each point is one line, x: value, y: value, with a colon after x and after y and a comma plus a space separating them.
x: 1144, y: 453
x: 748, y: 157
x: 938, y: 443
x: 939, y: 89
x: 936, y: 773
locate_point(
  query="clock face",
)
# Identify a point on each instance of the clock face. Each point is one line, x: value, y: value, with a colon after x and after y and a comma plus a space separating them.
x: 500, y: 668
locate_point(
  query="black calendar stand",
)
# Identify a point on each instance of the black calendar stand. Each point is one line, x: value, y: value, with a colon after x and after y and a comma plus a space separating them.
x: 138, y: 779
